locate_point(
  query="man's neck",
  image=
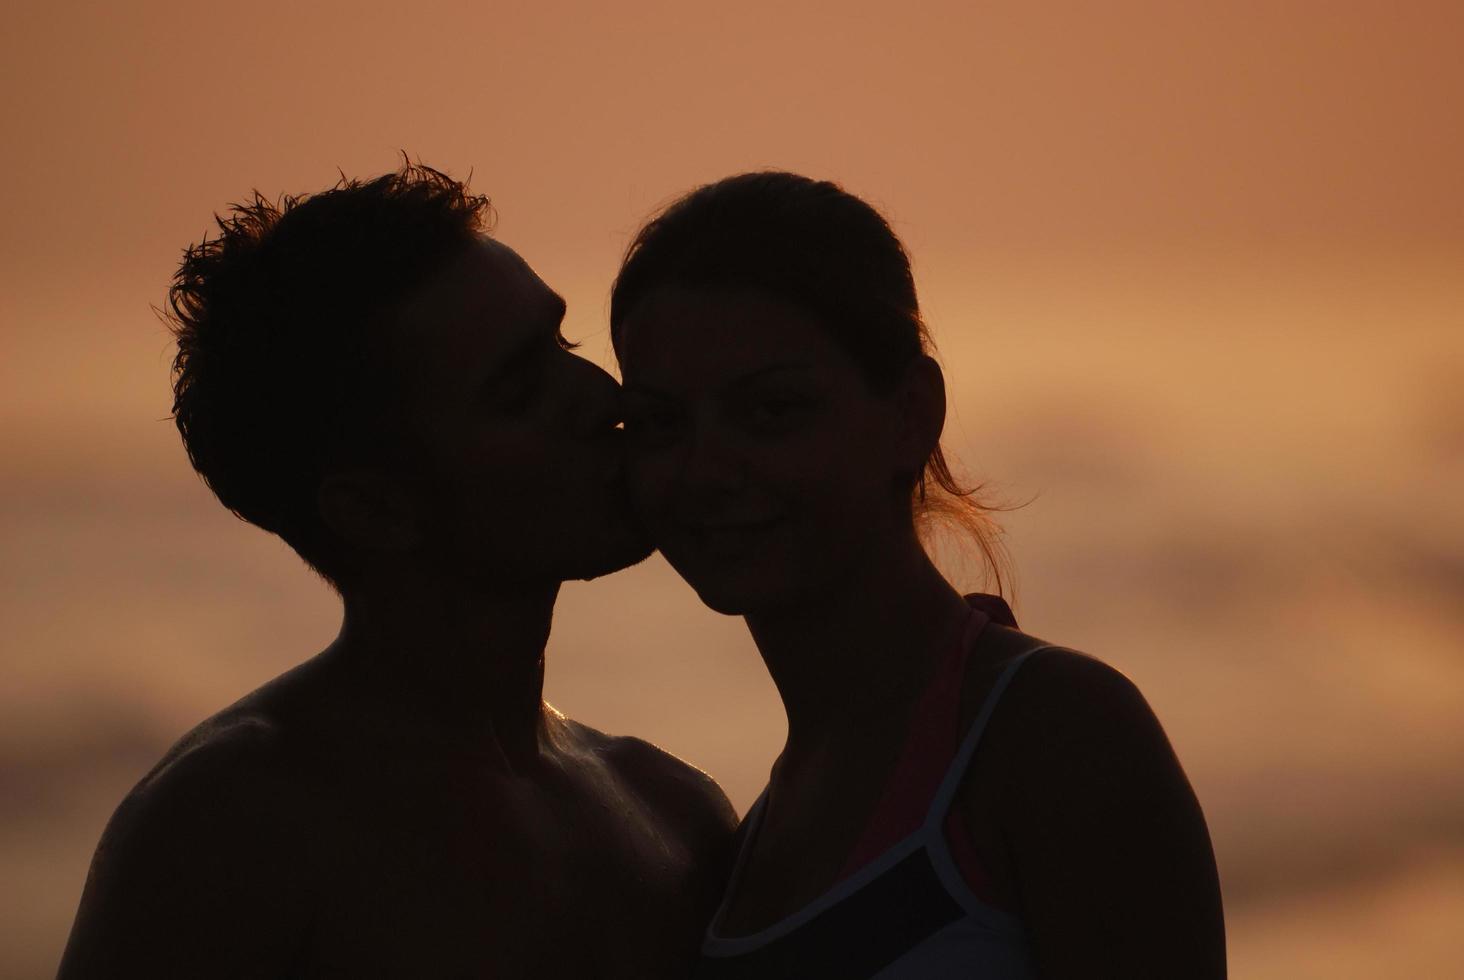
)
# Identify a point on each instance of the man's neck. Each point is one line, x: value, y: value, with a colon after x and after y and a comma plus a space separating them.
x: 453, y: 669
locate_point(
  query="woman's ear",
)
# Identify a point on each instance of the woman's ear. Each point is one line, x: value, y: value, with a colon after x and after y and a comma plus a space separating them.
x: 368, y: 510
x: 921, y: 401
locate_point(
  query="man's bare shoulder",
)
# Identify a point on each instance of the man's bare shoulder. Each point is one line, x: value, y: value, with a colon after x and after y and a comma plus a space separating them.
x: 232, y: 789
x: 202, y: 855
x: 225, y: 760
x: 672, y: 786
x: 241, y: 761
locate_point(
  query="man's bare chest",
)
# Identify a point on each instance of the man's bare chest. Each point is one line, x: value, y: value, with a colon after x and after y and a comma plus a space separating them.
x: 459, y: 884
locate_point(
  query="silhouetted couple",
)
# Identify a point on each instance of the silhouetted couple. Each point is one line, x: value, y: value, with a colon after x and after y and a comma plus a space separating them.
x: 369, y: 375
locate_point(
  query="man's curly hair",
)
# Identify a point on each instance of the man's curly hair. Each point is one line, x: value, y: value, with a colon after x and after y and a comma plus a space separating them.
x: 280, y: 320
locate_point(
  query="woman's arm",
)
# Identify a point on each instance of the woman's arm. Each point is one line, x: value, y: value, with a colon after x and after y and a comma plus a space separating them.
x: 1111, y: 855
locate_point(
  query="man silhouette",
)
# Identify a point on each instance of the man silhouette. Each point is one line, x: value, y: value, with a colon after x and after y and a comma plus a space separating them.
x: 367, y: 374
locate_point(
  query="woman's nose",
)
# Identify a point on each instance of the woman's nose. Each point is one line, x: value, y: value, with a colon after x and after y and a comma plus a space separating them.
x: 709, y: 463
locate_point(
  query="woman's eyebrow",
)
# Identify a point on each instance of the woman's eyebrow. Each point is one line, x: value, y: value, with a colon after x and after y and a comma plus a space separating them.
x: 741, y: 381
x: 641, y: 388
x: 758, y: 374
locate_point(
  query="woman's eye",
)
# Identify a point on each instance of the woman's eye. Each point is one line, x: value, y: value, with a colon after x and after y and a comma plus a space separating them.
x: 651, y: 424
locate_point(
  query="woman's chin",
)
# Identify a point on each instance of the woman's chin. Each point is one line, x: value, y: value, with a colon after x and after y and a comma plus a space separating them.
x: 730, y: 595
x: 741, y: 595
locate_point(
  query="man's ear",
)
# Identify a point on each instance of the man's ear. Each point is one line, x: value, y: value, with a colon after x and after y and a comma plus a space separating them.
x: 921, y: 401
x: 368, y: 510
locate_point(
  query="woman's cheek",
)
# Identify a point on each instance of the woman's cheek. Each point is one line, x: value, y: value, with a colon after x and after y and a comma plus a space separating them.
x: 648, y: 484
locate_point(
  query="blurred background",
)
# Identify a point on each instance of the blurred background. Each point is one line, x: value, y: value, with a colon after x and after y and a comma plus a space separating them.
x: 1194, y: 270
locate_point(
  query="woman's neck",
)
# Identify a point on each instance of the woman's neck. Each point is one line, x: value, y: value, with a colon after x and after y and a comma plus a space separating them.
x: 847, y: 662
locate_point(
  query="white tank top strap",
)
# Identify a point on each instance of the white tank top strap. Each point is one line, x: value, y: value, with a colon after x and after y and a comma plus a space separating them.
x: 940, y: 806
x: 748, y: 831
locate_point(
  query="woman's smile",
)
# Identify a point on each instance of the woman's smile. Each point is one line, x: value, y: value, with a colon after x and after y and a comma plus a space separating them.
x: 728, y: 539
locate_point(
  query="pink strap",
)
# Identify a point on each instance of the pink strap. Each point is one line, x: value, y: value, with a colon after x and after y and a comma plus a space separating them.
x: 929, y: 748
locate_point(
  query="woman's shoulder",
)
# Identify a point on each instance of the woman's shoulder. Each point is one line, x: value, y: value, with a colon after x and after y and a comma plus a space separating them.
x: 1068, y: 714
x: 1059, y: 684
x: 1088, y: 797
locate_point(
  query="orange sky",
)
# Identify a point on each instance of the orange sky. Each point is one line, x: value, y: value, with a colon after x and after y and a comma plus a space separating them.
x: 980, y: 125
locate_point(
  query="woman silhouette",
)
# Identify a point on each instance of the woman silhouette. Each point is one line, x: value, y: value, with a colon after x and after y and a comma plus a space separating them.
x: 955, y: 798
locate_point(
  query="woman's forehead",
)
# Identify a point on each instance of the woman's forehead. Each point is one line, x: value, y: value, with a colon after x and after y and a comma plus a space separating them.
x: 705, y: 332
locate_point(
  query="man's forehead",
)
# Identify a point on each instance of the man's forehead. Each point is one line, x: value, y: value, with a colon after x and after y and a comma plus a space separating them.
x: 490, y: 274
x: 474, y: 313
x: 488, y: 285
x: 502, y: 261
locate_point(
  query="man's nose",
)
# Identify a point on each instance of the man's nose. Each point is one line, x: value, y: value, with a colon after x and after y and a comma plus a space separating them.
x: 598, y: 407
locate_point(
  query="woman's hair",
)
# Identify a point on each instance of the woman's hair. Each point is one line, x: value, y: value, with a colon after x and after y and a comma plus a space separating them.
x: 821, y: 249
